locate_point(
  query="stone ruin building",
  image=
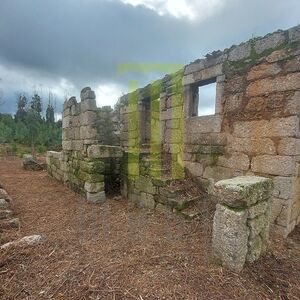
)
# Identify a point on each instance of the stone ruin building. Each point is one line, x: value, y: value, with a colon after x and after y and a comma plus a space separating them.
x: 247, y: 154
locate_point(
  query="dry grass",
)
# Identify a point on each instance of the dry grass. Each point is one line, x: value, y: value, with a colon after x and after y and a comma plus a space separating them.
x: 117, y: 251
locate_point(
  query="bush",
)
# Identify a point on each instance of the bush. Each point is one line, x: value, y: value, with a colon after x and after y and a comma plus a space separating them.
x: 13, y: 148
x: 41, y: 149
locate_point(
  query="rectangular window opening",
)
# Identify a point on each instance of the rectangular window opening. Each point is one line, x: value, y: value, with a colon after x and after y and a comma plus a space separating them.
x: 205, y: 98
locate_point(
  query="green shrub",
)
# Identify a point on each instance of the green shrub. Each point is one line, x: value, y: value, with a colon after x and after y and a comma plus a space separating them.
x: 41, y: 149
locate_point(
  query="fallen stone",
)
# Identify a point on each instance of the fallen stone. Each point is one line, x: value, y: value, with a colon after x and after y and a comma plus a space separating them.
x: 29, y: 163
x: 5, y: 214
x: 13, y: 223
x: 4, y: 195
x: 4, y: 203
x: 31, y: 240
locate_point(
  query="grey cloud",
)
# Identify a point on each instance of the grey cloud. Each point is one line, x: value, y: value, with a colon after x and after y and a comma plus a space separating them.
x: 84, y: 41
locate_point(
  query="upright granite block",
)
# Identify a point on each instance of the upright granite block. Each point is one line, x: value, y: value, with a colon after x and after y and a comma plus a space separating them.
x: 230, y: 238
x: 241, y: 221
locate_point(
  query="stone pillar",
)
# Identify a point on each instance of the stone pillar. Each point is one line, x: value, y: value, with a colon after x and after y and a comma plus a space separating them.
x: 241, y: 221
x: 88, y: 117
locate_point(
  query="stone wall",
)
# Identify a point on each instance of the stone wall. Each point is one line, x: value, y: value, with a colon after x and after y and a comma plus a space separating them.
x: 255, y: 128
x: 85, y: 164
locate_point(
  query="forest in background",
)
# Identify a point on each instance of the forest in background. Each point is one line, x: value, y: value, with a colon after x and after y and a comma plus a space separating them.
x: 31, y: 126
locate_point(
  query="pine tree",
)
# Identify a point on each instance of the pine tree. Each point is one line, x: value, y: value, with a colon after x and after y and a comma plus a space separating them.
x: 50, y: 111
x: 36, y: 104
x: 21, y: 107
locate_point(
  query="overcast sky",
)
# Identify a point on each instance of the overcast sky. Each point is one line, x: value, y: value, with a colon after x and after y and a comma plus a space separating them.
x: 65, y: 45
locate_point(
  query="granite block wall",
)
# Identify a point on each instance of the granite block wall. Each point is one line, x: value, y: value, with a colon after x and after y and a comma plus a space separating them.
x: 85, y: 164
x: 254, y: 131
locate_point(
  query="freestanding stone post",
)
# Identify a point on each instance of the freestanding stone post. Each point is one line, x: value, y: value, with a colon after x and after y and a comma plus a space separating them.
x: 241, y: 221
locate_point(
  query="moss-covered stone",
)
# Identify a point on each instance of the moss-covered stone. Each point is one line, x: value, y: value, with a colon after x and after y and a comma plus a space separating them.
x: 244, y: 191
x: 95, y: 166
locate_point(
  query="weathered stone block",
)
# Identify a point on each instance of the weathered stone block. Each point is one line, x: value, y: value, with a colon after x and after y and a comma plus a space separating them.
x: 88, y: 132
x: 236, y: 161
x: 283, y: 187
x: 144, y: 184
x: 67, y: 145
x: 258, y: 209
x: 96, y: 198
x: 243, y: 191
x: 147, y: 201
x: 274, y: 165
x: 203, y: 124
x: 255, y: 249
x: 69, y: 103
x: 66, y: 122
x: 174, y: 136
x: 197, y: 138
x: 87, y: 93
x: 294, y: 34
x: 230, y: 237
x: 293, y: 104
x: 233, y: 102
x: 217, y: 172
x: 240, y: 52
x: 289, y: 146
x: 263, y: 70
x: 293, y: 65
x: 77, y: 145
x: 208, y: 73
x: 104, y: 151
x: 282, y: 127
x: 290, y: 82
x: 279, y: 212
x: 269, y: 42
x: 210, y: 149
x: 94, y: 187
x: 88, y: 105
x: 251, y: 145
x: 75, y: 109
x: 257, y: 225
x: 88, y: 118
x: 256, y: 104
x: 195, y: 169
x: 96, y: 166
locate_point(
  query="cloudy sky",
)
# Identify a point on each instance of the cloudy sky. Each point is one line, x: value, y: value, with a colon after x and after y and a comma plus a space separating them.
x: 64, y: 45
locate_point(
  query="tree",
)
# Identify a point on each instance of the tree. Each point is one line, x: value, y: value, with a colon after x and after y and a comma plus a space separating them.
x: 32, y: 122
x: 50, y: 111
x: 36, y: 104
x: 6, y: 133
x: 21, y: 133
x: 21, y: 107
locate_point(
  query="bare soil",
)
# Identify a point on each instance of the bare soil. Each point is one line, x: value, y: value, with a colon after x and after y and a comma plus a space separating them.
x: 118, y: 251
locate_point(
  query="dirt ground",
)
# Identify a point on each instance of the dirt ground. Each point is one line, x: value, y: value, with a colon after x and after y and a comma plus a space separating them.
x: 118, y: 251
